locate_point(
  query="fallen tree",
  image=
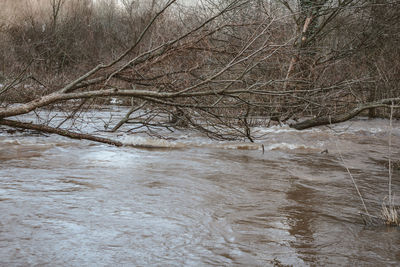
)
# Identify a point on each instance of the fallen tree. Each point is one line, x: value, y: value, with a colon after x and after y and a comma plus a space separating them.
x: 328, y: 120
x: 219, y: 70
x: 62, y: 132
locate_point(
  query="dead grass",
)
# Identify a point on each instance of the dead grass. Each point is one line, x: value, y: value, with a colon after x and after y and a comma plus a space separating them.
x: 390, y: 214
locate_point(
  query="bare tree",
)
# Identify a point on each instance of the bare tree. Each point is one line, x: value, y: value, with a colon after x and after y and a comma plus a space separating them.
x: 221, y: 70
x: 55, y: 12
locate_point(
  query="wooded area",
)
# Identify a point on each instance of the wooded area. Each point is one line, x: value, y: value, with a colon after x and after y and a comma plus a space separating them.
x: 217, y: 67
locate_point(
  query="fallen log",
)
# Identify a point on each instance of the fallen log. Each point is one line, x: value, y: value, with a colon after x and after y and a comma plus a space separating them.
x: 332, y: 119
x: 66, y: 133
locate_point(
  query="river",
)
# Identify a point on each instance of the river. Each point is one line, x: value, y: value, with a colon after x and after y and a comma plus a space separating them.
x: 196, y: 202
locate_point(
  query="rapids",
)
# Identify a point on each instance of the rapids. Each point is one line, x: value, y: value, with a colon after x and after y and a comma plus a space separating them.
x: 196, y: 202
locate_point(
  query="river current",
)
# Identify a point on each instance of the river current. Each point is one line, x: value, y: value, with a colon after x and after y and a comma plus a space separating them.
x: 196, y: 202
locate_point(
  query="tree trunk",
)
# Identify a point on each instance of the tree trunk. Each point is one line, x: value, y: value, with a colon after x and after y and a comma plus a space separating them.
x: 327, y: 120
x: 66, y: 133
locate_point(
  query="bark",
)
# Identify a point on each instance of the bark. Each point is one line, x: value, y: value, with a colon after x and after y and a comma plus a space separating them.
x: 214, y: 72
x: 72, y: 135
x: 66, y: 133
x: 126, y: 117
x: 326, y: 120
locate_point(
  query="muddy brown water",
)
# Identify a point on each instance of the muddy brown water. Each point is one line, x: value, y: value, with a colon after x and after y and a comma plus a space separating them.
x: 77, y: 203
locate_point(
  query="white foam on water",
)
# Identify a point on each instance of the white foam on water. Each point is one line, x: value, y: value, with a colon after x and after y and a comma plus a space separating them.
x: 161, y: 143
x: 281, y: 129
x: 10, y: 141
x: 259, y: 146
x: 150, y: 142
x: 288, y: 146
x: 115, y: 101
x: 239, y: 146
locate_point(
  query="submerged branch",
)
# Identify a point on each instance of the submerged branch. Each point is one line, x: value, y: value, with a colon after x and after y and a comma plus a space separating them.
x: 126, y: 117
x: 326, y: 120
x: 62, y: 132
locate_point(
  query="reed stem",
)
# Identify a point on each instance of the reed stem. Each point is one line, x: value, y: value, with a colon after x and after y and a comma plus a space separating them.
x: 351, y: 176
x: 390, y: 154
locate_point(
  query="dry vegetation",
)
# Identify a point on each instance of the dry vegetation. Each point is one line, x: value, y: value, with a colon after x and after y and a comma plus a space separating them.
x: 213, y: 67
x: 224, y: 62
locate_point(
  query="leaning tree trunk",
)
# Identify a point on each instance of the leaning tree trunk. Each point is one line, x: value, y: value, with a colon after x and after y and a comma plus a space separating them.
x: 328, y: 120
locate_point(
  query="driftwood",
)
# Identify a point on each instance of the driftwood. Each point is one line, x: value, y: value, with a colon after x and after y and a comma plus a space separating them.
x: 326, y: 120
x: 66, y: 133
x: 73, y: 135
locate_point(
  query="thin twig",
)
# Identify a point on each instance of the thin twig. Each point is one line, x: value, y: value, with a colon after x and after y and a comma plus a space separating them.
x: 390, y: 154
x: 126, y: 117
x: 351, y: 176
x: 17, y: 79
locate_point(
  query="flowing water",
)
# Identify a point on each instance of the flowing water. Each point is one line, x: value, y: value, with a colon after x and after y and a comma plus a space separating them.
x: 197, y: 202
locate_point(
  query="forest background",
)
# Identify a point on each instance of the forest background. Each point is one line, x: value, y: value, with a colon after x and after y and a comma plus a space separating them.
x: 218, y: 67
